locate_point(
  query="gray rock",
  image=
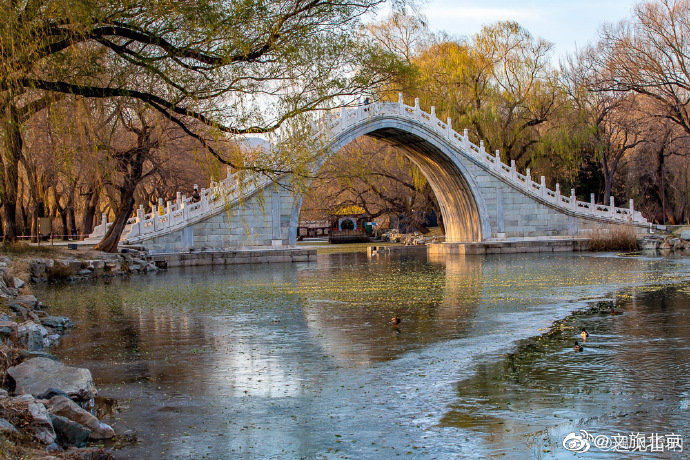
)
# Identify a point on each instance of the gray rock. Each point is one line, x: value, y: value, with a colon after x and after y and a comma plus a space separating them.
x: 64, y: 268
x: 5, y: 260
x: 39, y: 269
x: 3, y: 393
x: 68, y: 432
x: 57, y: 322
x: 61, y: 405
x: 7, y: 428
x: 85, y: 272
x: 50, y: 340
x: 5, y: 317
x: 150, y: 267
x: 113, y: 266
x: 33, y: 316
x: 27, y: 300
x: 37, y: 375
x: 685, y: 235
x: 96, y: 264
x: 31, y: 335
x: 18, y: 283
x: 25, y: 407
x: 6, y: 291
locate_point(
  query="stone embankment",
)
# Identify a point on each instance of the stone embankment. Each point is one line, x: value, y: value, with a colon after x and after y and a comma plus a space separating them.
x: 72, y: 269
x: 666, y: 244
x: 46, y: 407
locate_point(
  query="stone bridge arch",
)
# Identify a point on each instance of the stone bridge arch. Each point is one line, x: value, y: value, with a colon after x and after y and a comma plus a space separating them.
x: 465, y: 215
x: 481, y: 198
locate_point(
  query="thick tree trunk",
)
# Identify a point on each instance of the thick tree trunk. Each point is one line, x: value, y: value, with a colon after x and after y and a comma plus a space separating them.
x: 608, y: 184
x: 9, y: 218
x: 10, y: 174
x: 89, y: 213
x: 72, y: 222
x: 124, y: 209
x: 662, y: 183
x: 35, y: 214
x: 130, y: 162
x: 64, y: 231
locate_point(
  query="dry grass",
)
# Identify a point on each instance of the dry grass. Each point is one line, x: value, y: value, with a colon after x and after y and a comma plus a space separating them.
x: 620, y: 238
x: 9, y: 356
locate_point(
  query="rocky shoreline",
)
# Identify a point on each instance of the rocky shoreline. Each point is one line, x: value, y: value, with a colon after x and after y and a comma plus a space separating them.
x: 47, y: 409
x: 73, y: 269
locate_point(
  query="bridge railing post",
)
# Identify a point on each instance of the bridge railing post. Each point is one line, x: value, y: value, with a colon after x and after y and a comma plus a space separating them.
x: 401, y: 101
x: 528, y: 175
x: 513, y: 170
x: 449, y: 127
x: 612, y: 207
x: 542, y: 186
x: 138, y: 226
x: 573, y: 199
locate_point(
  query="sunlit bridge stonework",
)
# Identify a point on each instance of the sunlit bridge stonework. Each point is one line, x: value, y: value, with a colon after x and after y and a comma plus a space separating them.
x: 481, y: 198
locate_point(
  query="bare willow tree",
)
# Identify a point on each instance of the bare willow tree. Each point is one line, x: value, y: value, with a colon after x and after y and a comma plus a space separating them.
x: 235, y: 66
x: 645, y: 59
x: 648, y: 55
x: 608, y: 123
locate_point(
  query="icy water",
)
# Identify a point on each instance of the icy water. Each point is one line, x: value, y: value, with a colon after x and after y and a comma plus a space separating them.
x: 300, y: 361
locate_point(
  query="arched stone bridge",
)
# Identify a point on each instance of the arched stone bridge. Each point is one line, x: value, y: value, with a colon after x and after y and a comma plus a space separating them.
x: 480, y: 197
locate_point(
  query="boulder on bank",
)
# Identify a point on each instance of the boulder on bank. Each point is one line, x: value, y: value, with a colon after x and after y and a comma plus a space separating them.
x: 31, y: 335
x: 25, y: 411
x: 65, y: 407
x: 28, y: 300
x: 68, y: 432
x: 59, y: 323
x: 38, y: 375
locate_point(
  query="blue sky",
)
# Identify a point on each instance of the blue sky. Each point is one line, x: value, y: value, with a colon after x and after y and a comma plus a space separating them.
x: 567, y: 24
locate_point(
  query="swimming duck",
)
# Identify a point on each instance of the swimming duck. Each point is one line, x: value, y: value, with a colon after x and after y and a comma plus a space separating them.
x: 613, y: 311
x: 578, y: 347
x: 395, y: 320
x: 584, y: 334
